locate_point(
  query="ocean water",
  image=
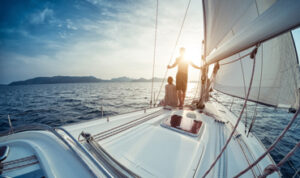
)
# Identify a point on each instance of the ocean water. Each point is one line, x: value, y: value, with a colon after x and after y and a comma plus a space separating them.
x: 59, y: 104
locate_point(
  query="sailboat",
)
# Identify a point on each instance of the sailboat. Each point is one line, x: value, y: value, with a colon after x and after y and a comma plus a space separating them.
x: 250, y: 44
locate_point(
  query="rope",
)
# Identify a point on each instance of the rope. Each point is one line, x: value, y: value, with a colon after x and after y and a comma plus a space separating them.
x: 298, y: 170
x: 289, y: 155
x: 154, y: 52
x: 245, y: 94
x: 273, y: 144
x: 237, y: 123
x: 272, y: 168
x: 255, y: 111
x: 172, y: 54
x: 241, y: 57
x: 281, y: 153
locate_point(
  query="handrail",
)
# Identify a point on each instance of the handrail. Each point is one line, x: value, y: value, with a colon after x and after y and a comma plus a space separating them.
x: 86, y: 152
x: 116, y: 168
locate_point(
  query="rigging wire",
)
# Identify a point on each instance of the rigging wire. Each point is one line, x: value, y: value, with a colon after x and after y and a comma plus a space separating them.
x: 173, y: 52
x: 154, y: 52
x: 239, y: 118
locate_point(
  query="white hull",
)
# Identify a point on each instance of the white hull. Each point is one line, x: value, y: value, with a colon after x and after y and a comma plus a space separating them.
x: 140, y: 143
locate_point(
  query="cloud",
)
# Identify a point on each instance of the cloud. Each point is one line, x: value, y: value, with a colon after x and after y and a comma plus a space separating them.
x: 94, y: 1
x: 41, y: 16
x: 112, y: 39
x: 70, y: 25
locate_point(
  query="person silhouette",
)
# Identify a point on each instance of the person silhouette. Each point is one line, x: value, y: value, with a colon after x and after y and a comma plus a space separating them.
x: 170, y: 94
x: 182, y: 75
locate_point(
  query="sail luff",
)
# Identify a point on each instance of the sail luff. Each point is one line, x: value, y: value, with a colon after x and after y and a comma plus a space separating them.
x: 278, y: 19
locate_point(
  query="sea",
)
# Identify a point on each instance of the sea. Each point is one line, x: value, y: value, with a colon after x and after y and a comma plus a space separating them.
x: 61, y: 104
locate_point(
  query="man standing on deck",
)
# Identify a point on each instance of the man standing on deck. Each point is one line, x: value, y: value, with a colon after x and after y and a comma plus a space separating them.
x: 182, y: 75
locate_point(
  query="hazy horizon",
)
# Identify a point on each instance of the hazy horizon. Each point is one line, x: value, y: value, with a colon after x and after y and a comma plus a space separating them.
x: 101, y: 38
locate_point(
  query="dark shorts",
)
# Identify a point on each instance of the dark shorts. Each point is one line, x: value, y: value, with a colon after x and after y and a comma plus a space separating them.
x: 181, y: 81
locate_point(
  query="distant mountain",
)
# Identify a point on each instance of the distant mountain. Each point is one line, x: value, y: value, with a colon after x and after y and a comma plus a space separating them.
x: 121, y: 79
x: 72, y: 79
x: 58, y: 79
x: 147, y: 80
x: 126, y: 79
x: 141, y: 80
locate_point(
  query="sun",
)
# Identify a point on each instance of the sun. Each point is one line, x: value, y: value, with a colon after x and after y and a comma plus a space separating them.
x: 193, y: 54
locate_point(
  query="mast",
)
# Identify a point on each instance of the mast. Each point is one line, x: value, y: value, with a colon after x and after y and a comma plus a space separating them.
x: 201, y: 102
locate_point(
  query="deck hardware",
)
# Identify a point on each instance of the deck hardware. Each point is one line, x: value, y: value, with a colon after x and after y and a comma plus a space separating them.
x: 86, y: 135
x: 219, y: 121
x: 237, y: 136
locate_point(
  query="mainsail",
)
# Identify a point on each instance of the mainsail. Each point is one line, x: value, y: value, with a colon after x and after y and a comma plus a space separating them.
x: 233, y: 27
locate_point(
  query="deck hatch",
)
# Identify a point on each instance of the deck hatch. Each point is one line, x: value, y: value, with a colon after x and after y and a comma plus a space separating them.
x: 183, y: 125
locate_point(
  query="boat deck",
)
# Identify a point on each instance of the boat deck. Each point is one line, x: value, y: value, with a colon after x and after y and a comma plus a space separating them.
x: 155, y: 142
x: 140, y: 142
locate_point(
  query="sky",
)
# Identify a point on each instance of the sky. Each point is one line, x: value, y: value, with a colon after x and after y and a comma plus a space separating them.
x: 101, y: 38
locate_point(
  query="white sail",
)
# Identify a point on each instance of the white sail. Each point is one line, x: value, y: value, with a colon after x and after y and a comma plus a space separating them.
x: 276, y: 77
x: 232, y: 26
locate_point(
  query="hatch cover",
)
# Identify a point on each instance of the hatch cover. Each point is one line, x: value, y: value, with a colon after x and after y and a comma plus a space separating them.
x: 183, y: 125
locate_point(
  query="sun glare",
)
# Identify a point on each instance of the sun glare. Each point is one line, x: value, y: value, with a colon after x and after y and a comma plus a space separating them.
x: 193, y: 54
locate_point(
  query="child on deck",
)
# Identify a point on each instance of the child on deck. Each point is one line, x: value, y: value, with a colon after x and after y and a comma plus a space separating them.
x: 170, y: 94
